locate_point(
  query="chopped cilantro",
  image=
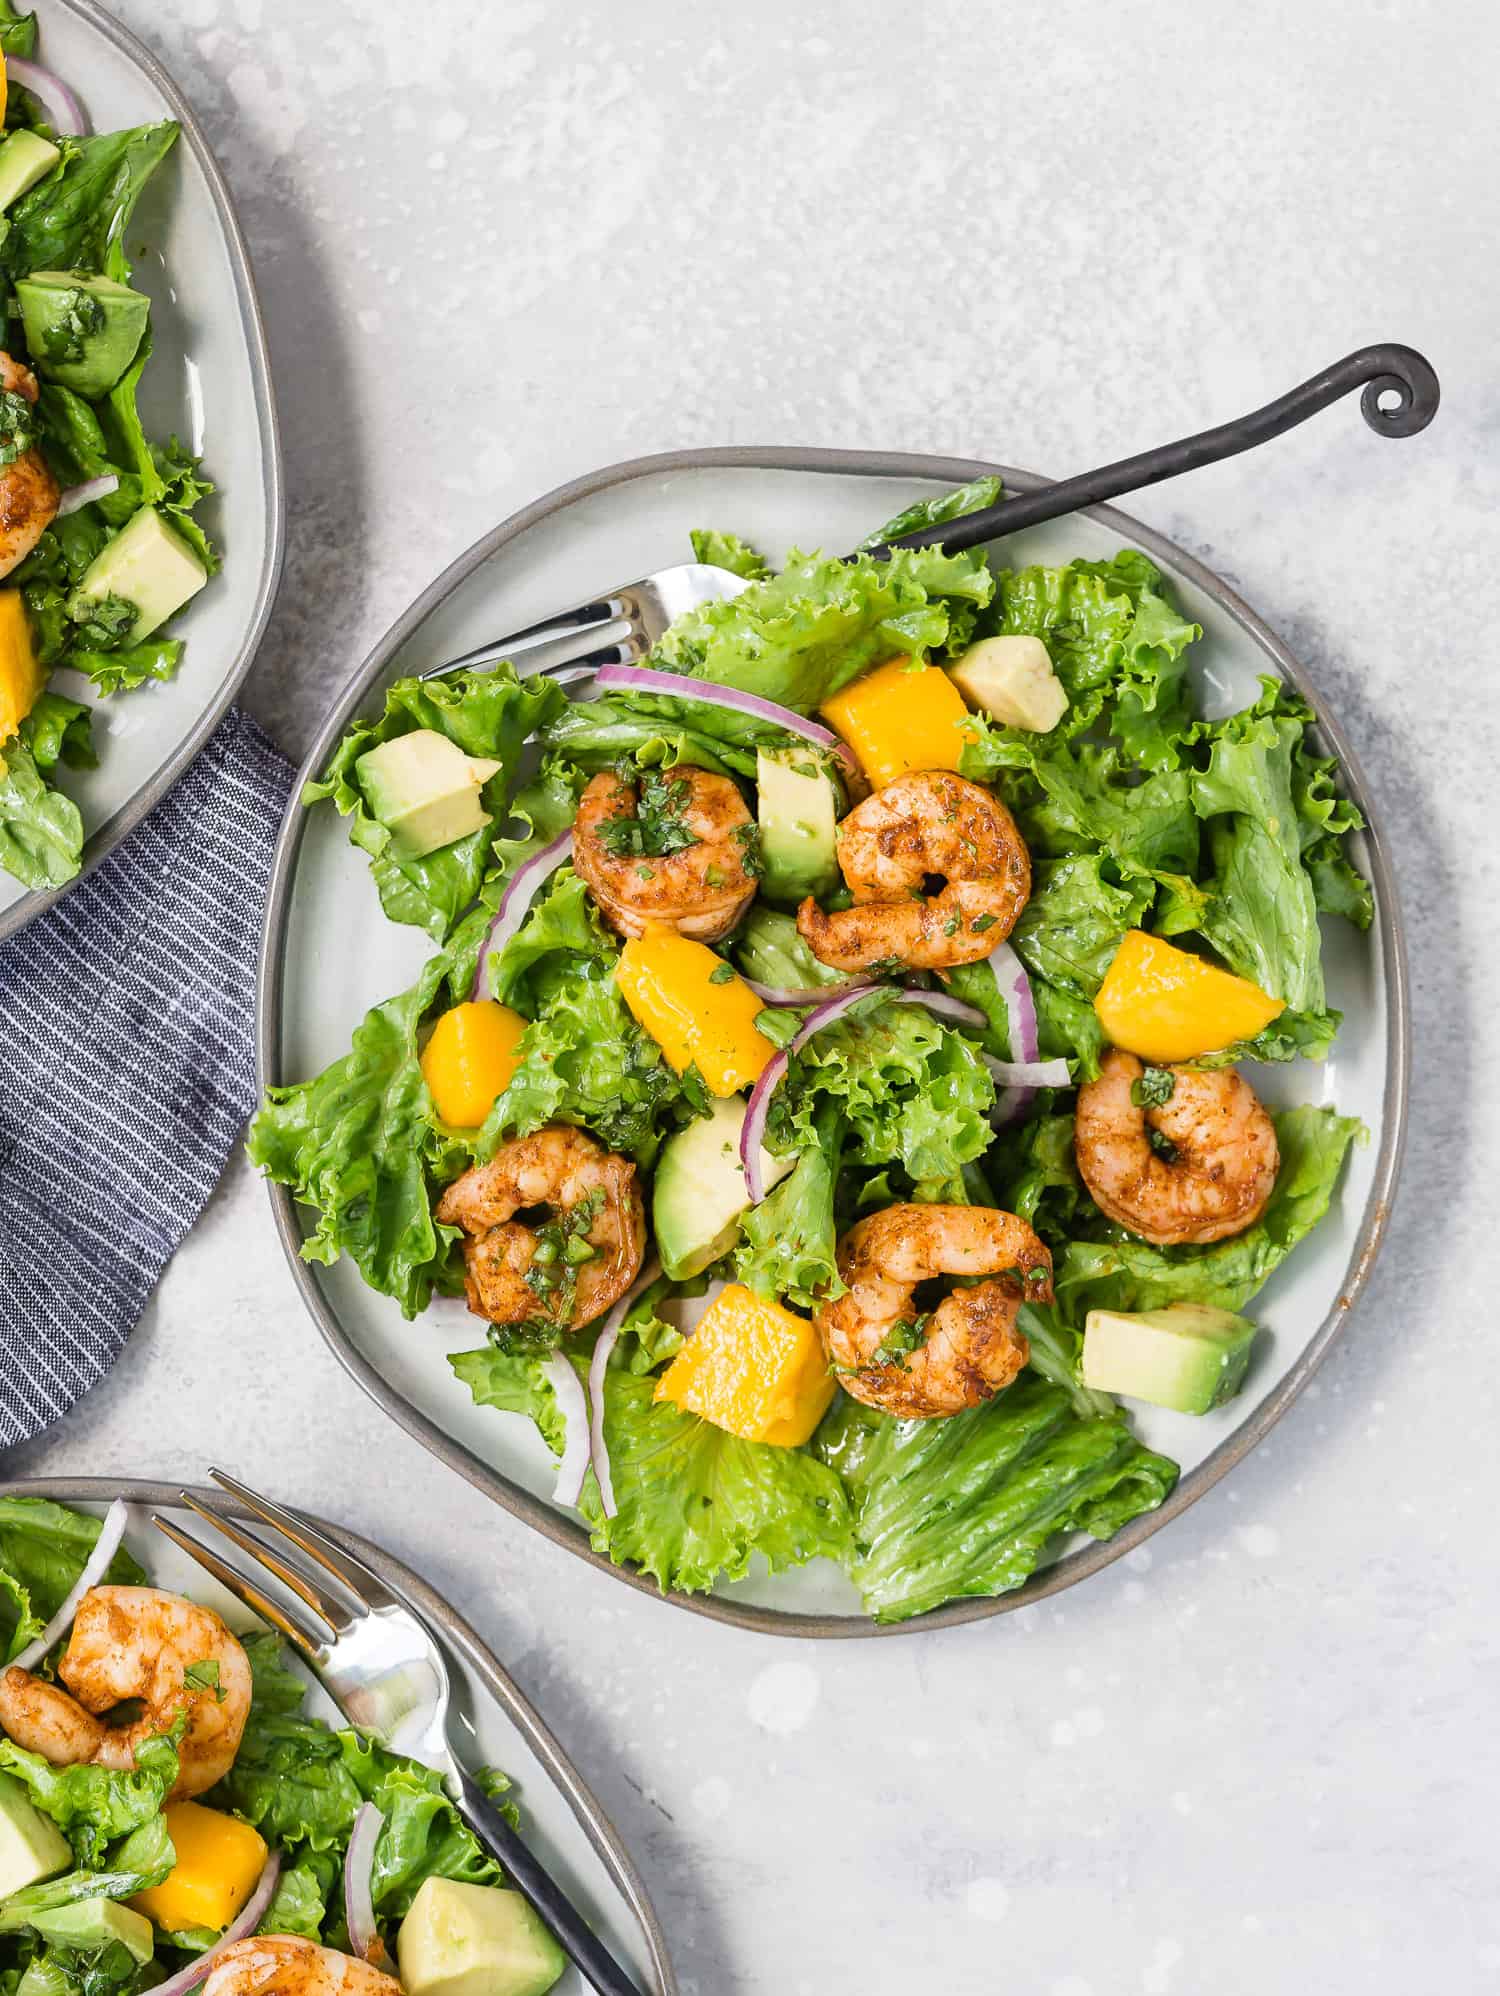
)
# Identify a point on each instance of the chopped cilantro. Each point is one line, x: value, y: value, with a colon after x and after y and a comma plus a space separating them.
x: 657, y: 827
x: 1154, y: 1087
x: 722, y: 973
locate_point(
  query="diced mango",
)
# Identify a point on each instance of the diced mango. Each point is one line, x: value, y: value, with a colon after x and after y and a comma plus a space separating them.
x: 219, y: 1860
x: 4, y: 87
x: 1164, y: 1003
x: 753, y: 1369
x: 470, y: 1059
x: 21, y: 677
x: 679, y: 993
x: 899, y: 717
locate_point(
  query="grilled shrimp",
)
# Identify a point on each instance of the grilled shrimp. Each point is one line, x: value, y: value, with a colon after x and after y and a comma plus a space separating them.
x: 916, y: 1364
x: 1209, y: 1170
x: 284, y: 1965
x: 681, y: 853
x: 28, y: 491
x: 929, y: 823
x: 567, y: 1266
x: 135, y: 1643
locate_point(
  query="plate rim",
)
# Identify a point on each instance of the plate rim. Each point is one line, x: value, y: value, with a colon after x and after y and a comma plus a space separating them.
x: 552, y: 1524
x: 587, y: 1810
x: 103, y: 841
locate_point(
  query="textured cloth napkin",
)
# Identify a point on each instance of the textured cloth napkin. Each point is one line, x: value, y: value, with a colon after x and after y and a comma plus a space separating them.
x: 126, y: 1070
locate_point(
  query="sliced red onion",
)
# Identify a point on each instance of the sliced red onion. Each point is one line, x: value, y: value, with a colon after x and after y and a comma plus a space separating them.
x: 519, y: 895
x: 609, y: 1337
x: 64, y: 112
x: 1020, y: 1006
x: 91, y: 488
x: 1029, y: 1073
x: 1011, y: 1105
x: 685, y: 1313
x: 772, y: 994
x: 253, y: 1912
x: 678, y: 686
x: 359, y: 1901
x: 753, y: 1129
x: 105, y: 1547
x: 572, y: 1404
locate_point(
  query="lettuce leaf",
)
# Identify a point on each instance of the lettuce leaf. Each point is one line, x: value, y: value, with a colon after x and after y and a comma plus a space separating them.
x: 937, y: 510
x: 361, y: 1144
x: 17, y: 30
x: 75, y: 218
x: 767, y: 947
x: 138, y: 1861
x: 44, y: 1547
x: 41, y: 830
x: 94, y: 1805
x: 948, y: 1509
x: 486, y: 714
x: 788, y: 1241
x: 804, y: 633
x: 729, y: 551
x: 1129, y: 1274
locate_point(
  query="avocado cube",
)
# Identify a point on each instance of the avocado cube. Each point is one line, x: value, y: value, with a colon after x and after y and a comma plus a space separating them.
x: 425, y: 790
x: 1187, y: 1356
x: 82, y: 331
x: 475, y: 1940
x: 25, y: 158
x: 148, y: 565
x: 32, y: 1847
x: 798, y: 811
x: 94, y: 1923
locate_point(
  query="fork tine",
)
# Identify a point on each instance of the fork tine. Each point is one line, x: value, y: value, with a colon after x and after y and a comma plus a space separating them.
x: 368, y: 1589
x: 333, y: 1613
x: 584, y: 630
x: 242, y: 1589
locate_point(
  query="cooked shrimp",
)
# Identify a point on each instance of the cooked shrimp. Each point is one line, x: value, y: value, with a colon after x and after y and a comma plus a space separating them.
x: 925, y: 825
x: 1210, y: 1170
x: 565, y: 1268
x: 891, y: 1354
x: 700, y: 884
x: 28, y: 491
x: 135, y: 1643
x: 284, y: 1965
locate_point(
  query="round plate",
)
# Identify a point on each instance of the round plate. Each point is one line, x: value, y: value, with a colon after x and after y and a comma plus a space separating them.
x: 561, y: 1818
x: 209, y: 382
x: 329, y: 954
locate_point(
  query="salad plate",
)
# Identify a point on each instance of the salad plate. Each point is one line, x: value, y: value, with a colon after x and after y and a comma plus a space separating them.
x: 329, y: 955
x: 207, y: 384
x: 559, y: 1816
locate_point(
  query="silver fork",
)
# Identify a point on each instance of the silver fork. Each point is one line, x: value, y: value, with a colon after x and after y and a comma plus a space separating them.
x: 1400, y: 397
x: 386, y: 1672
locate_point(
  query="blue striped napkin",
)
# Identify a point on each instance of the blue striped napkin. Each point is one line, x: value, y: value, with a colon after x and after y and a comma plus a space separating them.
x: 127, y: 1070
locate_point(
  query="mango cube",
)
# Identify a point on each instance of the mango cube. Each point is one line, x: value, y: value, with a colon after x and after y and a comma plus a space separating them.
x: 901, y: 716
x: 21, y: 677
x: 753, y: 1369
x: 1163, y: 1003
x: 219, y: 1860
x: 679, y: 994
x: 469, y: 1060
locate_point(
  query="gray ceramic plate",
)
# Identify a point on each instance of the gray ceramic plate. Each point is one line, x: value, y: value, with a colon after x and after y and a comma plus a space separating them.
x: 562, y: 1819
x: 329, y: 954
x: 209, y: 382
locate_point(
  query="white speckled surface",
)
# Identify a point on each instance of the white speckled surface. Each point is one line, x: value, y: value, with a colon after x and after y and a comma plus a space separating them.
x: 501, y: 244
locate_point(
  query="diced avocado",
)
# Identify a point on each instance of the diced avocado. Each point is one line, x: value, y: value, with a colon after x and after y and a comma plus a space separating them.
x: 475, y: 1940
x: 1011, y: 679
x: 425, y: 789
x: 700, y: 1189
x: 83, y: 331
x: 94, y: 1923
x: 24, y: 158
x: 1188, y: 1356
x: 32, y: 1847
x: 798, y: 811
x: 45, y: 1975
x: 149, y: 565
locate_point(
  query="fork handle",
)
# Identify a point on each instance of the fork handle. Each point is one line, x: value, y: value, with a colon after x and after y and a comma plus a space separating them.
x: 577, y: 1941
x: 1380, y: 370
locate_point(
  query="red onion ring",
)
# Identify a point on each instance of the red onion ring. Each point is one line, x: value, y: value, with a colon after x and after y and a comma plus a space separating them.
x: 1029, y: 1073
x: 1020, y: 1006
x: 678, y: 686
x: 753, y: 1129
x: 519, y: 894
x: 91, y: 488
x: 572, y: 1404
x: 105, y: 1547
x: 608, y: 1338
x: 65, y: 114
x: 359, y: 1902
x: 252, y: 1914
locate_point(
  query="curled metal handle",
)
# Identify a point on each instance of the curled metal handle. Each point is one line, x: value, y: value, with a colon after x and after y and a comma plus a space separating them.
x: 1388, y: 372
